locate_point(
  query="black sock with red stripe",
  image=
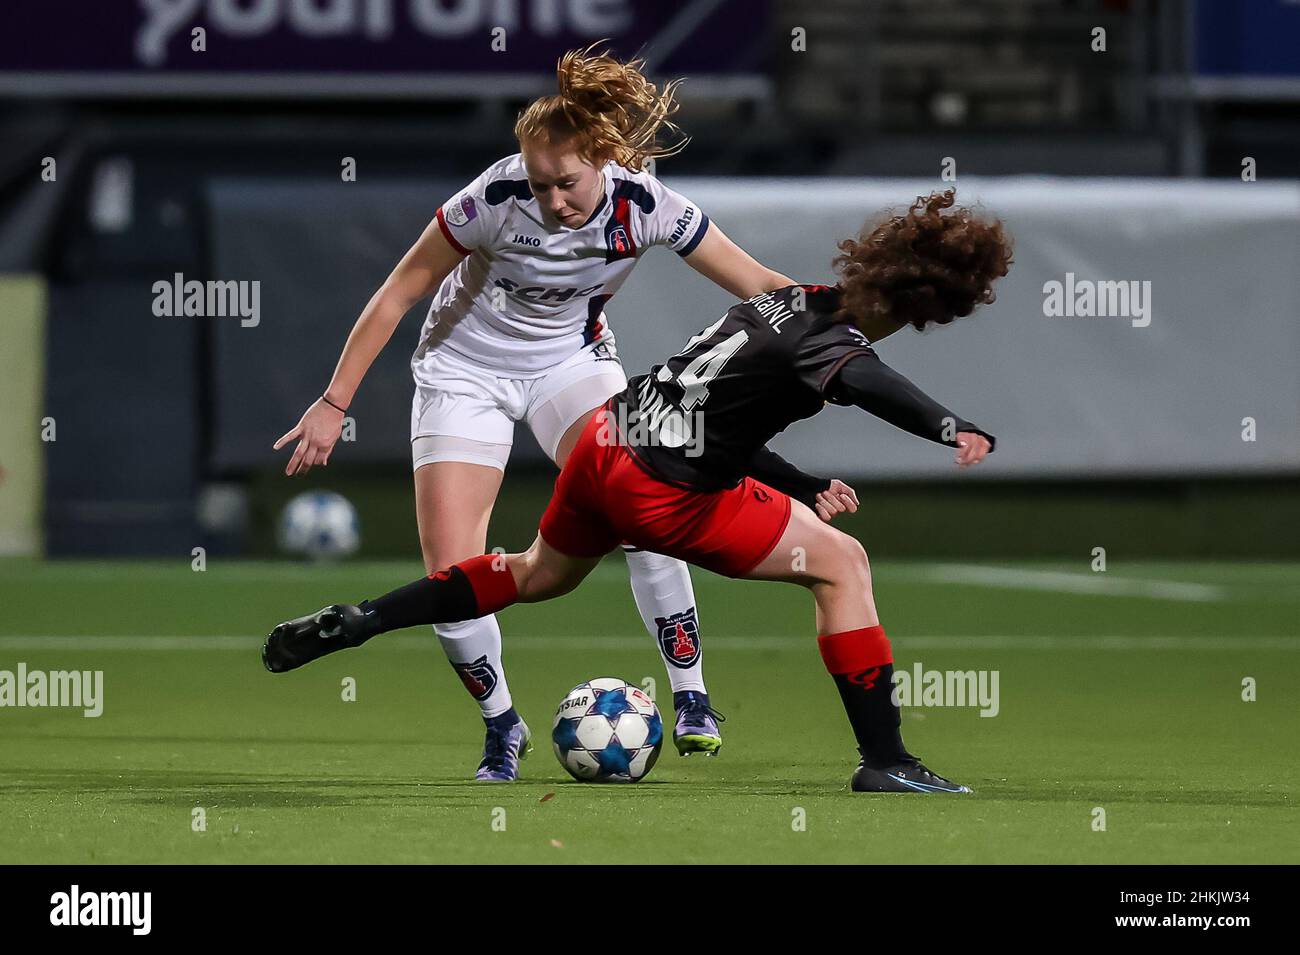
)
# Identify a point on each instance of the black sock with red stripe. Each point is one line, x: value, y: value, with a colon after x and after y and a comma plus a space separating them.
x: 862, y: 665
x: 471, y: 588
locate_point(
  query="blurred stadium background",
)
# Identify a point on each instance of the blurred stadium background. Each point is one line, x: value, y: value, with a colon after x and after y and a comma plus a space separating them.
x: 1123, y: 163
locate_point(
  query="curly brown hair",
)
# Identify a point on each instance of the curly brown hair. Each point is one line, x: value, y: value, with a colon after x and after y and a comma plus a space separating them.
x: 607, y: 107
x: 922, y: 268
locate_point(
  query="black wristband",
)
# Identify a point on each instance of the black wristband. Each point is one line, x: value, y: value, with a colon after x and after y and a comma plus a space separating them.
x: 326, y: 399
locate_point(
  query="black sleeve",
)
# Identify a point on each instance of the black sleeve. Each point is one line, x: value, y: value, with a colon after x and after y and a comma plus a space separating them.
x: 775, y: 471
x: 866, y: 381
x: 821, y: 348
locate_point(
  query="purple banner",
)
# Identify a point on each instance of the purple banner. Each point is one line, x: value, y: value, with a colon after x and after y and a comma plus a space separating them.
x: 142, y: 38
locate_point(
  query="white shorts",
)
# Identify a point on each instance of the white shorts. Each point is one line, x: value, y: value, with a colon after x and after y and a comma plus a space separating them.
x: 464, y: 412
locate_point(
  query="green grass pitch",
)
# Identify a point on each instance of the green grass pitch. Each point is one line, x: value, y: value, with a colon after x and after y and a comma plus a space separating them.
x: 1120, y: 691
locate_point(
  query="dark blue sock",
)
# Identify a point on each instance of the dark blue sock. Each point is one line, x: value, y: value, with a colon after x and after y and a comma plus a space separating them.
x: 682, y: 697
x: 502, y: 721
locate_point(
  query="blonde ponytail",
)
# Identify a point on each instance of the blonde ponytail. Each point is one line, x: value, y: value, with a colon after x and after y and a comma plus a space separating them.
x: 608, y: 107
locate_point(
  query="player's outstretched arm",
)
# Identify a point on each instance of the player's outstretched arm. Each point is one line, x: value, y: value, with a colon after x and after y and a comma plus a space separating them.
x: 419, y: 272
x: 874, y: 387
x: 726, y: 264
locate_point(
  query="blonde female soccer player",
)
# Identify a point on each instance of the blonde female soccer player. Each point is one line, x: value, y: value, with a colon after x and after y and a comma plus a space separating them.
x: 522, y: 262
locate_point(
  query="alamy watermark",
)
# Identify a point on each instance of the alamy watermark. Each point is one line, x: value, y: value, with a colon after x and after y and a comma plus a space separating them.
x: 922, y: 687
x: 75, y: 907
x: 1086, y: 298
x: 176, y: 298
x: 654, y: 422
x: 78, y: 689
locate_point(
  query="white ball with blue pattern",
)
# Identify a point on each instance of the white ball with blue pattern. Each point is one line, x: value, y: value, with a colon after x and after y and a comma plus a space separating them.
x: 607, y: 731
x: 320, y: 525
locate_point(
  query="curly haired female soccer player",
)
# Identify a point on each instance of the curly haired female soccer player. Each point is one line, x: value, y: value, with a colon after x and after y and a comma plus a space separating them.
x: 523, y: 261
x: 768, y: 362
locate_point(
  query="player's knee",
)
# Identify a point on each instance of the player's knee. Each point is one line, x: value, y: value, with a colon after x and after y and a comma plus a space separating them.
x: 432, y: 564
x: 440, y: 553
x: 538, y: 578
x: 851, y: 561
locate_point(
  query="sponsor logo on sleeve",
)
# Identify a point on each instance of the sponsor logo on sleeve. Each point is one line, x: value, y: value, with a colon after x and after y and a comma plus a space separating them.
x: 681, y: 225
x: 462, y: 212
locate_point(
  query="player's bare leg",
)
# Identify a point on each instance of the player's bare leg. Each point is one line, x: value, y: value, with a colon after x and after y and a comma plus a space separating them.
x: 543, y: 573
x: 854, y: 647
x: 828, y: 562
x: 570, y: 438
x: 453, y: 503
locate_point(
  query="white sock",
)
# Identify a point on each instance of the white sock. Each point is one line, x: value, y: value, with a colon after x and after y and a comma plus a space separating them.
x: 666, y: 600
x: 474, y: 649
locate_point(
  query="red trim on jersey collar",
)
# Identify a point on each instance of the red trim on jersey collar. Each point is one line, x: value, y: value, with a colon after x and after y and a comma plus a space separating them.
x: 442, y: 224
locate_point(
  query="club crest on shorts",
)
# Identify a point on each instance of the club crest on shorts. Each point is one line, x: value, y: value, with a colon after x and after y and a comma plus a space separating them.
x: 479, y: 677
x: 679, y: 636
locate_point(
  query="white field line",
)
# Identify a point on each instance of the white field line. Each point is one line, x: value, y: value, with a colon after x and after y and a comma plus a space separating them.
x: 758, y: 643
x: 1063, y: 582
x: 614, y: 572
x: 1011, y: 578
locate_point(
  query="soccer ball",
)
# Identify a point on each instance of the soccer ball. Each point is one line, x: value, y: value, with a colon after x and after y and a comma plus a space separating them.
x: 607, y: 731
x: 320, y: 525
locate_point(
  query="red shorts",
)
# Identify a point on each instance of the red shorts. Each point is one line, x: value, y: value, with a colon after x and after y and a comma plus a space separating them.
x: 603, y: 497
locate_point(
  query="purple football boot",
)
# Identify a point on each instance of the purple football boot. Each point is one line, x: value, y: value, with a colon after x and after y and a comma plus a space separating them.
x: 508, y: 741
x: 697, y: 724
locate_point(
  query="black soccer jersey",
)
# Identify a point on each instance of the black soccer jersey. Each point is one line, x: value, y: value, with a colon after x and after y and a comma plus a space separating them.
x: 700, y: 419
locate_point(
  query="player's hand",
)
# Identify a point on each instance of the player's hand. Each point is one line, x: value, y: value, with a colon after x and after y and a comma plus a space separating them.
x: 317, y: 431
x: 971, y: 448
x: 836, y: 499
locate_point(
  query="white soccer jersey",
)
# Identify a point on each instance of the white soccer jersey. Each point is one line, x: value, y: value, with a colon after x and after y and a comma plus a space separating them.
x: 528, y: 295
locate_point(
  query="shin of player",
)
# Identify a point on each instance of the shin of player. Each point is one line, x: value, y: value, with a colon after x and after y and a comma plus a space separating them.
x: 474, y: 649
